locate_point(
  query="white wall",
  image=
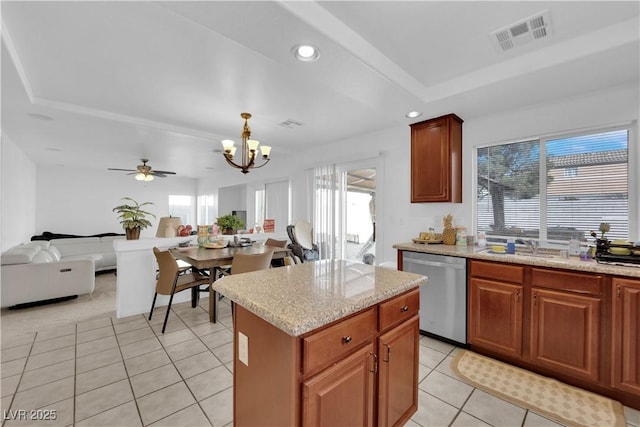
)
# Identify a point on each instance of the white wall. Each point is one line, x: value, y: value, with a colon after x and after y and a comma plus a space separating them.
x: 17, y: 200
x: 233, y: 198
x: 75, y: 201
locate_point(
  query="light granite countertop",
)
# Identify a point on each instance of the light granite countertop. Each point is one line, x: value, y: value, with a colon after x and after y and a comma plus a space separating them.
x: 301, y: 298
x: 474, y: 252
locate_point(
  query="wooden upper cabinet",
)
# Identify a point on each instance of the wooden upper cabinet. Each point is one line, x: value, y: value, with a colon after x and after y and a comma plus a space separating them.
x: 436, y: 160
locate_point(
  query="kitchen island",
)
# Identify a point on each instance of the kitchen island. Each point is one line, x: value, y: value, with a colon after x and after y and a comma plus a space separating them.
x: 313, y: 344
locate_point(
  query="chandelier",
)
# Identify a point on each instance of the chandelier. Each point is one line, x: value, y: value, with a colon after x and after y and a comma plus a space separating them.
x: 248, y: 150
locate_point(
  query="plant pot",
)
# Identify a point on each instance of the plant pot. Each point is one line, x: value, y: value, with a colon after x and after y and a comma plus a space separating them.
x: 132, y: 233
x: 228, y: 231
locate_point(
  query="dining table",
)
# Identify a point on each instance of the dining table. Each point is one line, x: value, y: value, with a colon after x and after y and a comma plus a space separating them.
x: 213, y: 259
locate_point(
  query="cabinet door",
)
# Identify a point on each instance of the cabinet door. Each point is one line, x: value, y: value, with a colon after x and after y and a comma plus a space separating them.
x: 625, y: 331
x: 342, y: 395
x: 495, y: 316
x: 565, y: 332
x: 436, y: 160
x: 398, y: 374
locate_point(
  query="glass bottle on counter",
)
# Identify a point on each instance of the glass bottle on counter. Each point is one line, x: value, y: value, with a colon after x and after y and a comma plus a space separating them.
x: 482, y: 240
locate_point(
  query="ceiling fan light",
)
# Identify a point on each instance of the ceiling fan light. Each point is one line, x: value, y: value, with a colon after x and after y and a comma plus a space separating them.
x: 139, y: 177
x: 148, y: 178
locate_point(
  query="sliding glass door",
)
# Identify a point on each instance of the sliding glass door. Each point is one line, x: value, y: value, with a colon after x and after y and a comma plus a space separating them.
x: 344, y: 211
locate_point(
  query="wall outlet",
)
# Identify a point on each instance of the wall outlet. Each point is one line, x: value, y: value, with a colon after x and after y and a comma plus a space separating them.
x: 243, y: 348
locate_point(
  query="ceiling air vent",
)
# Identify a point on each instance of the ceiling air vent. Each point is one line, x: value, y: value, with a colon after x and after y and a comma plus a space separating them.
x: 290, y: 124
x: 532, y: 28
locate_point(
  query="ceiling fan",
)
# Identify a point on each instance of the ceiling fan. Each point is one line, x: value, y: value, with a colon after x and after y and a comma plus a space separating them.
x: 144, y: 172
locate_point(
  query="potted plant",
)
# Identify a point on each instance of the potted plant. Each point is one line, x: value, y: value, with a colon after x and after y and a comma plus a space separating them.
x: 229, y: 224
x: 133, y: 218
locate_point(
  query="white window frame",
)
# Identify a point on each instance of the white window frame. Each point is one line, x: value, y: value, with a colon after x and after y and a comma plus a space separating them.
x: 633, y: 176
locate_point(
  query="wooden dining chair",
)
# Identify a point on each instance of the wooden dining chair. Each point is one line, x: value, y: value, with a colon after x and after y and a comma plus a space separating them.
x: 245, y: 263
x: 172, y: 279
x: 278, y: 244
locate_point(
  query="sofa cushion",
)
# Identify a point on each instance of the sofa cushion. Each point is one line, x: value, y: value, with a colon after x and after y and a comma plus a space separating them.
x: 98, y: 261
x: 42, y: 256
x: 54, y: 252
x: 22, y: 254
x: 78, y: 246
x: 44, y: 244
x: 109, y: 259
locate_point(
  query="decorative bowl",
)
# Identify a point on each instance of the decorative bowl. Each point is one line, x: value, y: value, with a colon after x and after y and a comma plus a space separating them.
x: 620, y: 251
x: 217, y: 244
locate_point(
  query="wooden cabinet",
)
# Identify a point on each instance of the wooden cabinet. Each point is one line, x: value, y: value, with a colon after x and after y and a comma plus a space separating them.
x: 625, y: 369
x: 351, y: 380
x: 398, y: 355
x: 557, y: 313
x: 495, y: 307
x: 579, y: 327
x: 565, y: 332
x: 495, y: 316
x: 436, y: 160
x: 358, y: 371
x: 565, y: 322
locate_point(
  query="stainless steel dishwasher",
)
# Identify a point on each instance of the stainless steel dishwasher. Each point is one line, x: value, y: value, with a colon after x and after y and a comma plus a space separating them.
x: 443, y: 300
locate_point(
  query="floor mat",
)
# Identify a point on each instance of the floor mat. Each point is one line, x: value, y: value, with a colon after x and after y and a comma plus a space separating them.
x: 558, y: 401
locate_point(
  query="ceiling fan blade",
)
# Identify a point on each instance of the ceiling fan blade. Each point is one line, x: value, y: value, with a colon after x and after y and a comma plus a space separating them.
x: 159, y: 175
x: 124, y: 170
x: 163, y: 172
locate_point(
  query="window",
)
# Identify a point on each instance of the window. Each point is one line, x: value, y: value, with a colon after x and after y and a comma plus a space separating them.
x: 207, y: 209
x: 260, y: 207
x: 272, y: 201
x: 182, y: 206
x: 554, y: 188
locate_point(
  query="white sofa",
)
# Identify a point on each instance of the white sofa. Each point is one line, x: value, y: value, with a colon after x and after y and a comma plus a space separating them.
x: 100, y: 249
x: 42, y: 270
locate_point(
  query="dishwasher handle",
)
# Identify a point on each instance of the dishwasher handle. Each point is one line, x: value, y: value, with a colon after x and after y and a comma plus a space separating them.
x: 455, y: 266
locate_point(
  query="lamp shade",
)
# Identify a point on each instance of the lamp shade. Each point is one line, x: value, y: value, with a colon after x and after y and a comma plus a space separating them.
x: 168, y: 226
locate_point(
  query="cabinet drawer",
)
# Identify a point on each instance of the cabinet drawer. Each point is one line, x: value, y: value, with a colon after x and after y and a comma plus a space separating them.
x: 324, y: 347
x: 399, y: 308
x: 502, y: 272
x: 567, y: 281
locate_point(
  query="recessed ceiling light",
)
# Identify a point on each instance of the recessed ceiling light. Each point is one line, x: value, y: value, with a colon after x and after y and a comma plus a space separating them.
x: 39, y: 116
x: 413, y: 114
x: 305, y: 53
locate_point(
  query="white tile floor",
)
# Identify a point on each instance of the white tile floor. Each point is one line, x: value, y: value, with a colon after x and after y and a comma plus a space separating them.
x: 124, y: 372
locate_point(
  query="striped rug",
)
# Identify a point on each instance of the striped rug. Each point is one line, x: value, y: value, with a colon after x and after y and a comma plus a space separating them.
x: 555, y: 400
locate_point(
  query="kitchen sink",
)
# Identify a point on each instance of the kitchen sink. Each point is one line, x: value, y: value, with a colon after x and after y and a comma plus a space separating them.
x: 548, y: 256
x: 542, y: 255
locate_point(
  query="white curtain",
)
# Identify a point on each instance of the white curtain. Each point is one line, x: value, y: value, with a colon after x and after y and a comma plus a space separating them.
x: 327, y: 211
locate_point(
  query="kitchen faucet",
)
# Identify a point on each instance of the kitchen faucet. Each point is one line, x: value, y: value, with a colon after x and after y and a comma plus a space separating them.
x: 531, y: 244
